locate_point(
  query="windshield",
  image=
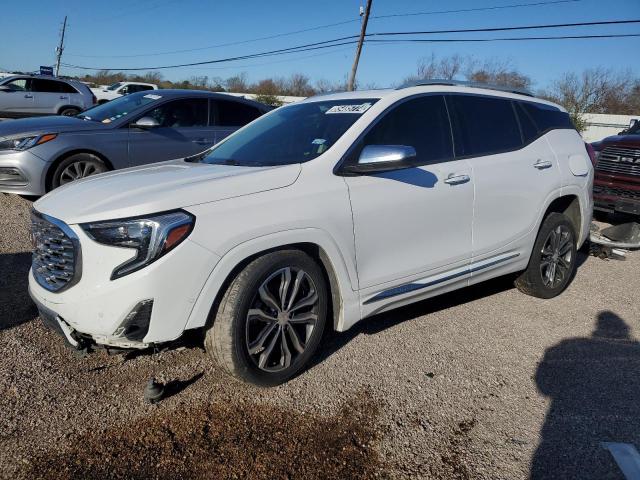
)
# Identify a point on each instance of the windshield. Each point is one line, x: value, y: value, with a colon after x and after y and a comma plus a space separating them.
x: 114, y: 86
x: 118, y: 108
x: 632, y: 130
x: 293, y: 134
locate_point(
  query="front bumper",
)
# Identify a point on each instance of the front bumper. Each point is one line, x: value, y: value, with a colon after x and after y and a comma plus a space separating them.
x: 104, y: 310
x: 616, y: 193
x: 28, y: 173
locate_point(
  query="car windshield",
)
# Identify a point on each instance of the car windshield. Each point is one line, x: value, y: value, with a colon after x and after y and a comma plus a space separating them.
x: 292, y: 134
x: 114, y: 86
x: 118, y: 108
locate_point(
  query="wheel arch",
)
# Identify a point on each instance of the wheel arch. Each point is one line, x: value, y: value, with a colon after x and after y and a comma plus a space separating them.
x: 75, y: 107
x: 344, y: 307
x: 568, y: 205
x: 54, y: 164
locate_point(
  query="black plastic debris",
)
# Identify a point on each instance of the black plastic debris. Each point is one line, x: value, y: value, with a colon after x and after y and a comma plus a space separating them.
x: 154, y: 391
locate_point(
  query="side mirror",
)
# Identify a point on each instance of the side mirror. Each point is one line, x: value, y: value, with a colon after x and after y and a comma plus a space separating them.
x: 146, y: 123
x: 383, y: 158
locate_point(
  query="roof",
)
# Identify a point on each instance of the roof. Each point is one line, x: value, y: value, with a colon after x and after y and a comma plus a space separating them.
x: 180, y: 92
x: 461, y: 83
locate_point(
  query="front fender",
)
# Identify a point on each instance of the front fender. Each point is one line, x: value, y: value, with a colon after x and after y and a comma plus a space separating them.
x: 344, y: 270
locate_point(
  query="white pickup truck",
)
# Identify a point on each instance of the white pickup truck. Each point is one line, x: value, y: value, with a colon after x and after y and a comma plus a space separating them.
x: 104, y: 94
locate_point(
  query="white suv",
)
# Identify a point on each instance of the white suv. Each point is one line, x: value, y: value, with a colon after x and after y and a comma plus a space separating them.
x: 119, y: 89
x: 317, y: 215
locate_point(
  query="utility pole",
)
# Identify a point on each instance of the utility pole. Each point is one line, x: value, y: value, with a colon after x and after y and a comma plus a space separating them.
x: 60, y: 47
x: 363, y: 31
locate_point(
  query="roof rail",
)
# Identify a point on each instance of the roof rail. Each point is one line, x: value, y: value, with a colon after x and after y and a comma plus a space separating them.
x: 461, y: 83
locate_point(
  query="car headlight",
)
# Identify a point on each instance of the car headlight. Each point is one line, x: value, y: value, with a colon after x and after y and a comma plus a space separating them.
x: 23, y: 143
x: 151, y: 236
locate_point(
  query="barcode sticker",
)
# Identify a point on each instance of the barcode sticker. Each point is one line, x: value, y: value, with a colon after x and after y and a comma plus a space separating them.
x: 361, y: 108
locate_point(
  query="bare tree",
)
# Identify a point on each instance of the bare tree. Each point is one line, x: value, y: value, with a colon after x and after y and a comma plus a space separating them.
x: 298, y: 85
x: 237, y: 83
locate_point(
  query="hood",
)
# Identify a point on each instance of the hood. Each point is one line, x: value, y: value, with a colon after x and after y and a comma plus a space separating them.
x: 159, y: 187
x: 53, y: 124
x: 631, y: 140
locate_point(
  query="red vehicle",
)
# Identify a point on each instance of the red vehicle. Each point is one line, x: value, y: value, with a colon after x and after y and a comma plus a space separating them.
x: 616, y: 186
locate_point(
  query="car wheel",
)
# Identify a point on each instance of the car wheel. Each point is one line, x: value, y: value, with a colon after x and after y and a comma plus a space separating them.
x: 552, y: 265
x: 271, y: 319
x: 69, y: 112
x: 77, y: 166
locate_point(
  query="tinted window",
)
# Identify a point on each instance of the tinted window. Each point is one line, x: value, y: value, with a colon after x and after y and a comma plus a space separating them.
x: 421, y: 123
x: 527, y: 125
x: 547, y: 117
x: 190, y: 112
x: 49, y: 86
x: 66, y: 88
x: 142, y: 88
x: 483, y: 125
x: 226, y: 113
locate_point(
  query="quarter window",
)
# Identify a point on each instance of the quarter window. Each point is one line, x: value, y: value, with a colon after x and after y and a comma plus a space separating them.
x: 547, y: 117
x: 527, y: 125
x: 484, y: 125
x: 421, y: 123
x: 190, y: 112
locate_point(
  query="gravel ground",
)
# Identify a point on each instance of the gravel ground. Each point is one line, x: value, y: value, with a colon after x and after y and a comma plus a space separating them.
x: 480, y: 383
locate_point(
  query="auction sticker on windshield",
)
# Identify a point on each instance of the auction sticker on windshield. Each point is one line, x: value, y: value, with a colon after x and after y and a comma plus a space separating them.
x: 360, y: 108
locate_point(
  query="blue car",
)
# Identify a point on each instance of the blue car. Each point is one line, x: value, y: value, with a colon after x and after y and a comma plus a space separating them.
x: 40, y: 154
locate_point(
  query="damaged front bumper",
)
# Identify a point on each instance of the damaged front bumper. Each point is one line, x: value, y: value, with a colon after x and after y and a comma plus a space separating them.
x: 80, y: 340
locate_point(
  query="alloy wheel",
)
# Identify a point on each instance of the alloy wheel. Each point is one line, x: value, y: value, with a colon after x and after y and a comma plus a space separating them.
x: 281, y: 319
x: 557, y: 255
x: 77, y: 170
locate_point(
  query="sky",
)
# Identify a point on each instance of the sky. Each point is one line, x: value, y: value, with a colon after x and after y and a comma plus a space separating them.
x: 117, y: 34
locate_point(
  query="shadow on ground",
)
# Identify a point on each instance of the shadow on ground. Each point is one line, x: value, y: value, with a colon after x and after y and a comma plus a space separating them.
x: 16, y: 306
x: 594, y: 387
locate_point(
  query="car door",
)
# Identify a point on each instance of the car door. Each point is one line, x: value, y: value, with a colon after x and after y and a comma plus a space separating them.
x: 182, y: 132
x: 415, y: 222
x: 227, y: 116
x: 19, y: 99
x: 514, y: 171
x: 47, y: 96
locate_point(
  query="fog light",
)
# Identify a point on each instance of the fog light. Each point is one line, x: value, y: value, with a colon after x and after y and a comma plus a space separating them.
x: 135, y: 325
x: 12, y: 175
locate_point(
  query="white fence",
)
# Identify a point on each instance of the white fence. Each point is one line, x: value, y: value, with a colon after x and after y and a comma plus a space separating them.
x: 600, y: 125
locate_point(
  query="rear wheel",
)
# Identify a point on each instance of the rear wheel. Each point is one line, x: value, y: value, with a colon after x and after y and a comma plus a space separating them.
x: 75, y: 167
x: 69, y: 112
x: 271, y: 319
x: 552, y: 265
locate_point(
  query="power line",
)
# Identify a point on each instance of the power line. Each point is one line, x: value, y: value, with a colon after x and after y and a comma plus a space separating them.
x: 328, y: 25
x: 508, y: 39
x: 351, y: 39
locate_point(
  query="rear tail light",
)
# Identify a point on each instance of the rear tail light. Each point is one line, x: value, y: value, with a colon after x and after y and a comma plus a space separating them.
x: 592, y: 154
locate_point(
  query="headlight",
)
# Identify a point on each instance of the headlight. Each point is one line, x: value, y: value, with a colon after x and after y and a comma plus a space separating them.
x: 22, y: 143
x: 151, y: 236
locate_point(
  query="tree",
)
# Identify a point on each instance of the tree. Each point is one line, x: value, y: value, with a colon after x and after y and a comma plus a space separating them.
x: 237, y: 83
x: 595, y: 90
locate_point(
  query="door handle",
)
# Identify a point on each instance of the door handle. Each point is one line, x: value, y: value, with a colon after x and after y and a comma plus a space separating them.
x: 28, y: 96
x: 454, y: 179
x: 62, y: 97
x: 542, y: 164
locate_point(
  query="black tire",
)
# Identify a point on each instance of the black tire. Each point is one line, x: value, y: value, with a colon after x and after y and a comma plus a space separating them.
x: 84, y: 164
x: 228, y: 340
x: 535, y: 280
x: 69, y: 112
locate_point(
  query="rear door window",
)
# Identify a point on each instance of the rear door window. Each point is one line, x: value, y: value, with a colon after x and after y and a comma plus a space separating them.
x: 421, y: 123
x: 227, y: 113
x: 48, y: 86
x: 483, y: 125
x: 185, y: 113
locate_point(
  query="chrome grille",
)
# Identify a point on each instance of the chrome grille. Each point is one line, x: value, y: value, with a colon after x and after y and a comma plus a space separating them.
x: 625, y: 161
x: 56, y: 257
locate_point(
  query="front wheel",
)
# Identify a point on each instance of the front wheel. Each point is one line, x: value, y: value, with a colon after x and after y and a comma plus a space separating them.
x: 552, y: 265
x: 271, y: 318
x: 75, y: 167
x: 69, y: 112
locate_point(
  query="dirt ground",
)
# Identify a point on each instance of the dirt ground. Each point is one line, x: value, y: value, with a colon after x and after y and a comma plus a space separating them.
x: 481, y: 383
